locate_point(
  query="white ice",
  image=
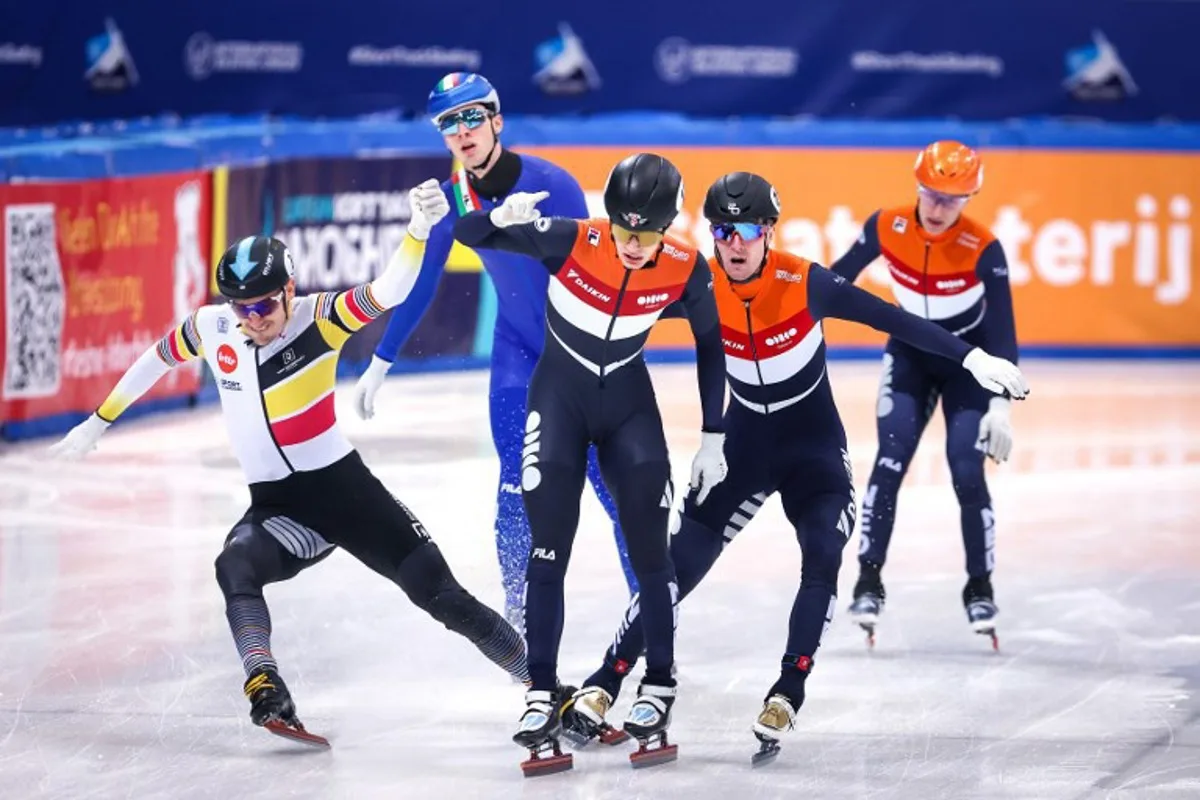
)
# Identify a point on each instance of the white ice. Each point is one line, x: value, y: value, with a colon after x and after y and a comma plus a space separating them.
x: 118, y: 676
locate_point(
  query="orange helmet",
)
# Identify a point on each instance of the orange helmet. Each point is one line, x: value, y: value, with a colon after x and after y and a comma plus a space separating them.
x: 949, y: 167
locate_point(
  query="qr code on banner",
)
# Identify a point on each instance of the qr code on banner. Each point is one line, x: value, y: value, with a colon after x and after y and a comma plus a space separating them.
x: 36, y: 302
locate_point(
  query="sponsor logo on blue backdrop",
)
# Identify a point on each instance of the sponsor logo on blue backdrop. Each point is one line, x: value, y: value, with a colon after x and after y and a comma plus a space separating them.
x: 110, y: 67
x: 204, y: 56
x: 1096, y: 72
x: 20, y: 55
x: 431, y: 57
x: 563, y: 66
x: 677, y: 61
x: 945, y: 63
x: 342, y: 239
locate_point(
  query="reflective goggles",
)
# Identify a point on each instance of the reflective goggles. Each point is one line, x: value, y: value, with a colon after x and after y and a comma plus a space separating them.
x: 469, y: 118
x: 749, y: 231
x: 950, y: 201
x: 644, y: 238
x: 263, y: 307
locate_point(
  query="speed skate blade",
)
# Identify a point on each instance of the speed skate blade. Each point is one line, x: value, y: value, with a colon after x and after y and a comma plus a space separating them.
x: 652, y: 757
x: 297, y: 734
x: 612, y: 736
x: 766, y: 754
x: 547, y: 765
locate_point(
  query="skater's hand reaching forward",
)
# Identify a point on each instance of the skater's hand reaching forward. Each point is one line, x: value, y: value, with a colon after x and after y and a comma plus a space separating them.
x: 996, y: 374
x: 81, y: 440
x: 517, y: 209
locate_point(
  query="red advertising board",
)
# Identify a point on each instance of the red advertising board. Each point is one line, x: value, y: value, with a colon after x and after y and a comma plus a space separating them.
x: 94, y: 272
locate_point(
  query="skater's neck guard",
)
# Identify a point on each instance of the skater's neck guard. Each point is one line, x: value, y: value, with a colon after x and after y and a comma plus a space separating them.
x: 500, y: 179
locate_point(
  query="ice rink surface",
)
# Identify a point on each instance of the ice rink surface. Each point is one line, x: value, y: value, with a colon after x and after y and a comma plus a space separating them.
x: 118, y: 676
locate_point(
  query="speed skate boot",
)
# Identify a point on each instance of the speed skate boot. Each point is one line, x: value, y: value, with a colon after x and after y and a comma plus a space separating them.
x: 583, y: 718
x: 269, y: 697
x: 777, y: 718
x: 271, y: 707
x: 980, y: 604
x: 868, y: 600
x: 539, y: 731
x: 648, y: 720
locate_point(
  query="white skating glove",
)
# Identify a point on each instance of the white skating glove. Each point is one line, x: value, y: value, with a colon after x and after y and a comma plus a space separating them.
x: 995, y: 431
x: 368, y: 385
x: 708, y: 467
x: 517, y: 209
x: 995, y: 374
x: 429, y: 204
x: 81, y: 440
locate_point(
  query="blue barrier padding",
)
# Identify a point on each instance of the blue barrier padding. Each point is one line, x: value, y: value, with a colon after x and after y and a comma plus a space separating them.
x: 170, y: 144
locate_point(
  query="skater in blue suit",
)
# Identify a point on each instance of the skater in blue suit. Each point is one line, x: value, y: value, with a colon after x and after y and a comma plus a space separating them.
x: 466, y: 110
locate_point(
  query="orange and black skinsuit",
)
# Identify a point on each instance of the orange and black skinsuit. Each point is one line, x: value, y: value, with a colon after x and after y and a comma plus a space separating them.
x: 783, y: 434
x: 958, y: 279
x: 591, y: 385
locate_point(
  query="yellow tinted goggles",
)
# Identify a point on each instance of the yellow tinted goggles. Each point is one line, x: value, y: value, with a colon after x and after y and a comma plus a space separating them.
x: 644, y: 238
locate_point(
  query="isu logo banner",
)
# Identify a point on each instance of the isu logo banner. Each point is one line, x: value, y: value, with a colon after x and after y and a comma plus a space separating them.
x: 1100, y: 245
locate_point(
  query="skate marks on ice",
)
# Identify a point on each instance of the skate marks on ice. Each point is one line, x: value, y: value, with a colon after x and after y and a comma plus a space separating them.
x: 117, y: 676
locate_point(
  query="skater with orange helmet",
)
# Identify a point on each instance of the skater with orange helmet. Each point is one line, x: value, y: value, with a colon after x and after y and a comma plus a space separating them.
x: 948, y: 268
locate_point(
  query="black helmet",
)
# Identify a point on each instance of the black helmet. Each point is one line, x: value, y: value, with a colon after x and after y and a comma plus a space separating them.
x: 741, y: 197
x: 643, y: 193
x: 254, y: 266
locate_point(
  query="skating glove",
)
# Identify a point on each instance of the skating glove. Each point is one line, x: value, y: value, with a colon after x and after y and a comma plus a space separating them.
x: 368, y: 385
x: 81, y: 440
x: 995, y: 374
x: 517, y: 209
x: 708, y: 467
x: 995, y: 431
x: 429, y: 205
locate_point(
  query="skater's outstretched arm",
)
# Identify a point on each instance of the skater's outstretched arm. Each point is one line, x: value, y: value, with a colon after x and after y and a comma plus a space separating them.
x: 830, y: 295
x: 518, y: 227
x: 431, y: 221
x: 404, y: 320
x: 340, y: 314
x: 864, y: 250
x: 180, y: 345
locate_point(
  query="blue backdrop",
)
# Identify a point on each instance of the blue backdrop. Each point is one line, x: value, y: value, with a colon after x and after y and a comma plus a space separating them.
x: 1108, y: 59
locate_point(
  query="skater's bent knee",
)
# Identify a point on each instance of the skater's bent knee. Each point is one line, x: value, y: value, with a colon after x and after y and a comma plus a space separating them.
x: 235, y: 570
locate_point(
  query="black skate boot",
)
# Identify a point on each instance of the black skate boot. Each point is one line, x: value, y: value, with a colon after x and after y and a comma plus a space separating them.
x: 648, y: 720
x: 539, y: 730
x: 979, y: 601
x: 271, y: 707
x: 868, y: 599
x: 269, y: 698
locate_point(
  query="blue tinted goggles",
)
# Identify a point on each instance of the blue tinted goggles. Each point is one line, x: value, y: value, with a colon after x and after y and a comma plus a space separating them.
x: 470, y: 119
x: 749, y: 231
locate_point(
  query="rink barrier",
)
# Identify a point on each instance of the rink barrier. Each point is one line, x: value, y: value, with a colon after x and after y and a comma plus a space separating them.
x: 96, y: 272
x: 170, y: 144
x: 1078, y: 295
